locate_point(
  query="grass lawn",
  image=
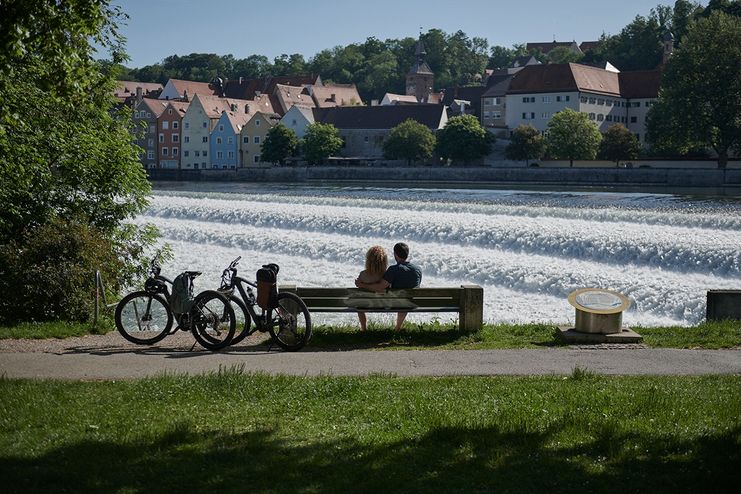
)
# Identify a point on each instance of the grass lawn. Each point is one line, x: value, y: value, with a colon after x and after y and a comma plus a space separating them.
x: 725, y: 334
x: 235, y: 432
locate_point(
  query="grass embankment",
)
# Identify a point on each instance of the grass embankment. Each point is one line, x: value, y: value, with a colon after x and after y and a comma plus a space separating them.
x: 724, y: 334
x: 235, y: 432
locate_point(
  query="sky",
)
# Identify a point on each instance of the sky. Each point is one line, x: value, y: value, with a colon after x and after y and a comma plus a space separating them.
x: 156, y: 29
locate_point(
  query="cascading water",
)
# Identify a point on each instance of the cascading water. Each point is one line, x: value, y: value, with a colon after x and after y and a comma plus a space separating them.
x: 528, y: 250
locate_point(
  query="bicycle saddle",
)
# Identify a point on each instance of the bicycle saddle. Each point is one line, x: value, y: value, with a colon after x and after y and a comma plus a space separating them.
x: 193, y: 274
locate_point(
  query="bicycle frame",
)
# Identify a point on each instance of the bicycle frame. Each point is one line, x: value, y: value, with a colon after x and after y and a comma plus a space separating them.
x: 262, y: 321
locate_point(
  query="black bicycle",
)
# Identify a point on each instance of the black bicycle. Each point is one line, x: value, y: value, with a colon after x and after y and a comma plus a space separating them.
x: 283, y: 315
x: 146, y: 316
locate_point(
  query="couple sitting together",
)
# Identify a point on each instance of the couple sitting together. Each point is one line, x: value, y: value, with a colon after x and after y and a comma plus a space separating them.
x: 378, y: 276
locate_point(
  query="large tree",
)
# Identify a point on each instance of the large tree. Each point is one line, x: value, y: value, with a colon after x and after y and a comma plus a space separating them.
x: 67, y: 158
x: 463, y: 139
x: 700, y: 99
x: 411, y: 141
x: 280, y: 143
x: 526, y: 143
x: 320, y: 142
x: 619, y: 143
x: 572, y: 136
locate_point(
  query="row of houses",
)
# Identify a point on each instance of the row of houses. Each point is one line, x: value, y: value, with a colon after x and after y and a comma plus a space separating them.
x: 222, y: 124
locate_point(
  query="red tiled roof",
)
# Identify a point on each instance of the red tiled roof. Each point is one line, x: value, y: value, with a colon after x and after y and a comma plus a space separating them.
x: 336, y: 95
x: 564, y: 77
x: 379, y: 117
x: 192, y: 87
x: 128, y: 88
x: 154, y: 105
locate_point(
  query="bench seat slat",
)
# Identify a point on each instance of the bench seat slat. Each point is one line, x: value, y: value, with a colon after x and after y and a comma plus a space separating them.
x: 384, y: 309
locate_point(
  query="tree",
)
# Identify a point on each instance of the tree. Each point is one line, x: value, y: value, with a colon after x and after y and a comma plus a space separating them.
x: 619, y: 143
x: 563, y: 54
x: 638, y: 46
x: 411, y: 141
x: 463, y: 139
x: 67, y: 156
x: 700, y: 99
x: 280, y: 143
x: 320, y: 142
x: 572, y: 136
x: 526, y: 143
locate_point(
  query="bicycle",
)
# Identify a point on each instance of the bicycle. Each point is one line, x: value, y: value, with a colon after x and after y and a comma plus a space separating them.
x: 285, y: 317
x: 146, y: 316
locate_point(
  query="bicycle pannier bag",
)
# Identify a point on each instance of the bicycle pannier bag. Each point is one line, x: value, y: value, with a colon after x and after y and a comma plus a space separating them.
x: 181, y: 299
x: 267, y: 288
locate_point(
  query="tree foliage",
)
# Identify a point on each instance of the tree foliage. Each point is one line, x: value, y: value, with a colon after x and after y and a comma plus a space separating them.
x: 280, y: 143
x: 619, y: 143
x: 66, y: 154
x: 463, y: 139
x: 572, y: 136
x: 526, y: 143
x: 700, y: 99
x: 320, y: 142
x: 411, y: 141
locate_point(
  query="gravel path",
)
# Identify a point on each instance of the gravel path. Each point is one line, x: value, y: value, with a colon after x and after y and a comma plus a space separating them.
x: 111, y: 357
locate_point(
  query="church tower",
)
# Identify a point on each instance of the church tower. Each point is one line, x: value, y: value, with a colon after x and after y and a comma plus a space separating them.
x: 420, y: 77
x: 668, y: 47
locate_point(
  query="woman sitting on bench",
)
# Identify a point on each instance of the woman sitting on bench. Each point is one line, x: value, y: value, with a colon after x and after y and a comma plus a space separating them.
x: 376, y: 262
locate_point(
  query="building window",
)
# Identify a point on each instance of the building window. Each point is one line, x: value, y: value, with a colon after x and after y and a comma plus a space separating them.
x: 568, y: 98
x: 497, y: 101
x: 162, y: 137
x: 635, y: 104
x: 186, y: 138
x: 496, y: 114
x: 245, y: 139
x: 545, y: 115
x: 583, y: 99
x: 218, y: 140
x: 175, y: 151
x: 186, y: 153
x: 528, y: 99
x: 150, y: 142
x: 219, y: 155
x: 546, y: 99
x: 633, y: 119
x: 257, y: 123
x: 165, y: 125
x: 608, y: 118
x: 149, y: 115
x: 231, y: 154
x: 205, y: 153
x: 150, y: 155
x: 256, y: 159
x: 601, y: 101
x: 136, y: 114
x: 198, y: 154
x: 486, y: 114
x: 205, y: 138
x: 293, y: 122
x: 195, y: 166
x: 187, y: 125
x: 592, y: 100
x: 221, y: 128
x: 366, y: 139
x: 257, y: 140
x: 600, y: 117
x: 229, y: 140
x: 151, y: 128
x: 174, y: 125
x: 176, y: 138
x: 592, y: 116
x: 205, y: 125
x: 165, y: 151
x: 169, y: 111
x: 524, y: 116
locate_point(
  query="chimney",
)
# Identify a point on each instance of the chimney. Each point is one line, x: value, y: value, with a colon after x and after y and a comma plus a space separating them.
x: 333, y: 98
x: 233, y: 106
x: 246, y: 108
x: 139, y: 94
x: 185, y: 95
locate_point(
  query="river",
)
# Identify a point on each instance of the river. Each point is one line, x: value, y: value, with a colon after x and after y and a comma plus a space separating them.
x: 528, y: 250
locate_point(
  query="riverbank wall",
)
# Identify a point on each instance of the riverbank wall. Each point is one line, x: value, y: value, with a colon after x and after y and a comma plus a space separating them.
x: 661, y: 180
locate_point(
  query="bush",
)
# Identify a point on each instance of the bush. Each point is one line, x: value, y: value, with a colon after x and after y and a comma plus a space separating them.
x: 49, y: 273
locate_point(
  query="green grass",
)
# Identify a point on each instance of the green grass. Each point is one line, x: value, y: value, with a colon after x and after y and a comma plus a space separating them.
x: 235, y: 432
x: 54, y: 329
x: 438, y: 335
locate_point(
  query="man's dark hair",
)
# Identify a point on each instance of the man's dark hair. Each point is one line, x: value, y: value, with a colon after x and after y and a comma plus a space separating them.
x: 402, y: 250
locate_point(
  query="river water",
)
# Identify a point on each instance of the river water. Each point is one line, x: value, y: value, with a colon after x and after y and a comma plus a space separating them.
x: 528, y: 250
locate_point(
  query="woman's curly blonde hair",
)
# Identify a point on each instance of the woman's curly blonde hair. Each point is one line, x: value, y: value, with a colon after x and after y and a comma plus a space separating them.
x: 376, y: 261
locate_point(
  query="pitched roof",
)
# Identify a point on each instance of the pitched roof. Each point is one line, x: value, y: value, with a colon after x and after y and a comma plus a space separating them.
x: 292, y: 95
x: 420, y: 67
x: 497, y: 85
x: 237, y: 120
x: 564, y: 77
x: 471, y: 94
x: 270, y: 118
x: 379, y: 117
x: 640, y: 83
x: 400, y: 98
x: 191, y: 87
x: 128, y: 88
x: 336, y: 95
x: 180, y: 106
x: 154, y: 105
x: 588, y: 45
x: 249, y: 88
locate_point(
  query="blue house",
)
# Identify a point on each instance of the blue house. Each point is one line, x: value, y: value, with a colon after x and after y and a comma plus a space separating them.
x: 225, y: 140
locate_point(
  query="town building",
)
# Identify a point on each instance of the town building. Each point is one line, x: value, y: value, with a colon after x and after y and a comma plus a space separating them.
x: 178, y: 89
x: 420, y: 79
x: 298, y: 118
x: 146, y: 113
x: 224, y: 143
x: 169, y: 131
x: 252, y: 135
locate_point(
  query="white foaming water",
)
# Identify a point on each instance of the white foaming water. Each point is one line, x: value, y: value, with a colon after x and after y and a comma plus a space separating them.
x: 528, y: 250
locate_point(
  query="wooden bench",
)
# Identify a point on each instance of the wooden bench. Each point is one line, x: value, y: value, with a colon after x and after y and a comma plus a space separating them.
x: 466, y: 300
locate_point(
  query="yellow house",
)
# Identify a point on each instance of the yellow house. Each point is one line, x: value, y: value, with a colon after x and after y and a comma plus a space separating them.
x: 252, y: 136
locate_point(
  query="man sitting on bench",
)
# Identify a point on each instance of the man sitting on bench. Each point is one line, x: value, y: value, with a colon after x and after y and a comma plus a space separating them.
x: 401, y: 275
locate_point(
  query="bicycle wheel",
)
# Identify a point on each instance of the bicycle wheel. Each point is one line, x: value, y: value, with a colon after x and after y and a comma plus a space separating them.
x: 143, y: 318
x: 243, y: 319
x: 212, y: 320
x: 290, y: 324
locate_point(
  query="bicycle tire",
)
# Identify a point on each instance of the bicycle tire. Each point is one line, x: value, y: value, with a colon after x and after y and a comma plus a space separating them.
x: 290, y: 325
x: 244, y: 324
x: 155, y: 315
x: 212, y: 320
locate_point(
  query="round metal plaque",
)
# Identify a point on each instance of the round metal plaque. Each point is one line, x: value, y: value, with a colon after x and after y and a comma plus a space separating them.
x: 599, y: 301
